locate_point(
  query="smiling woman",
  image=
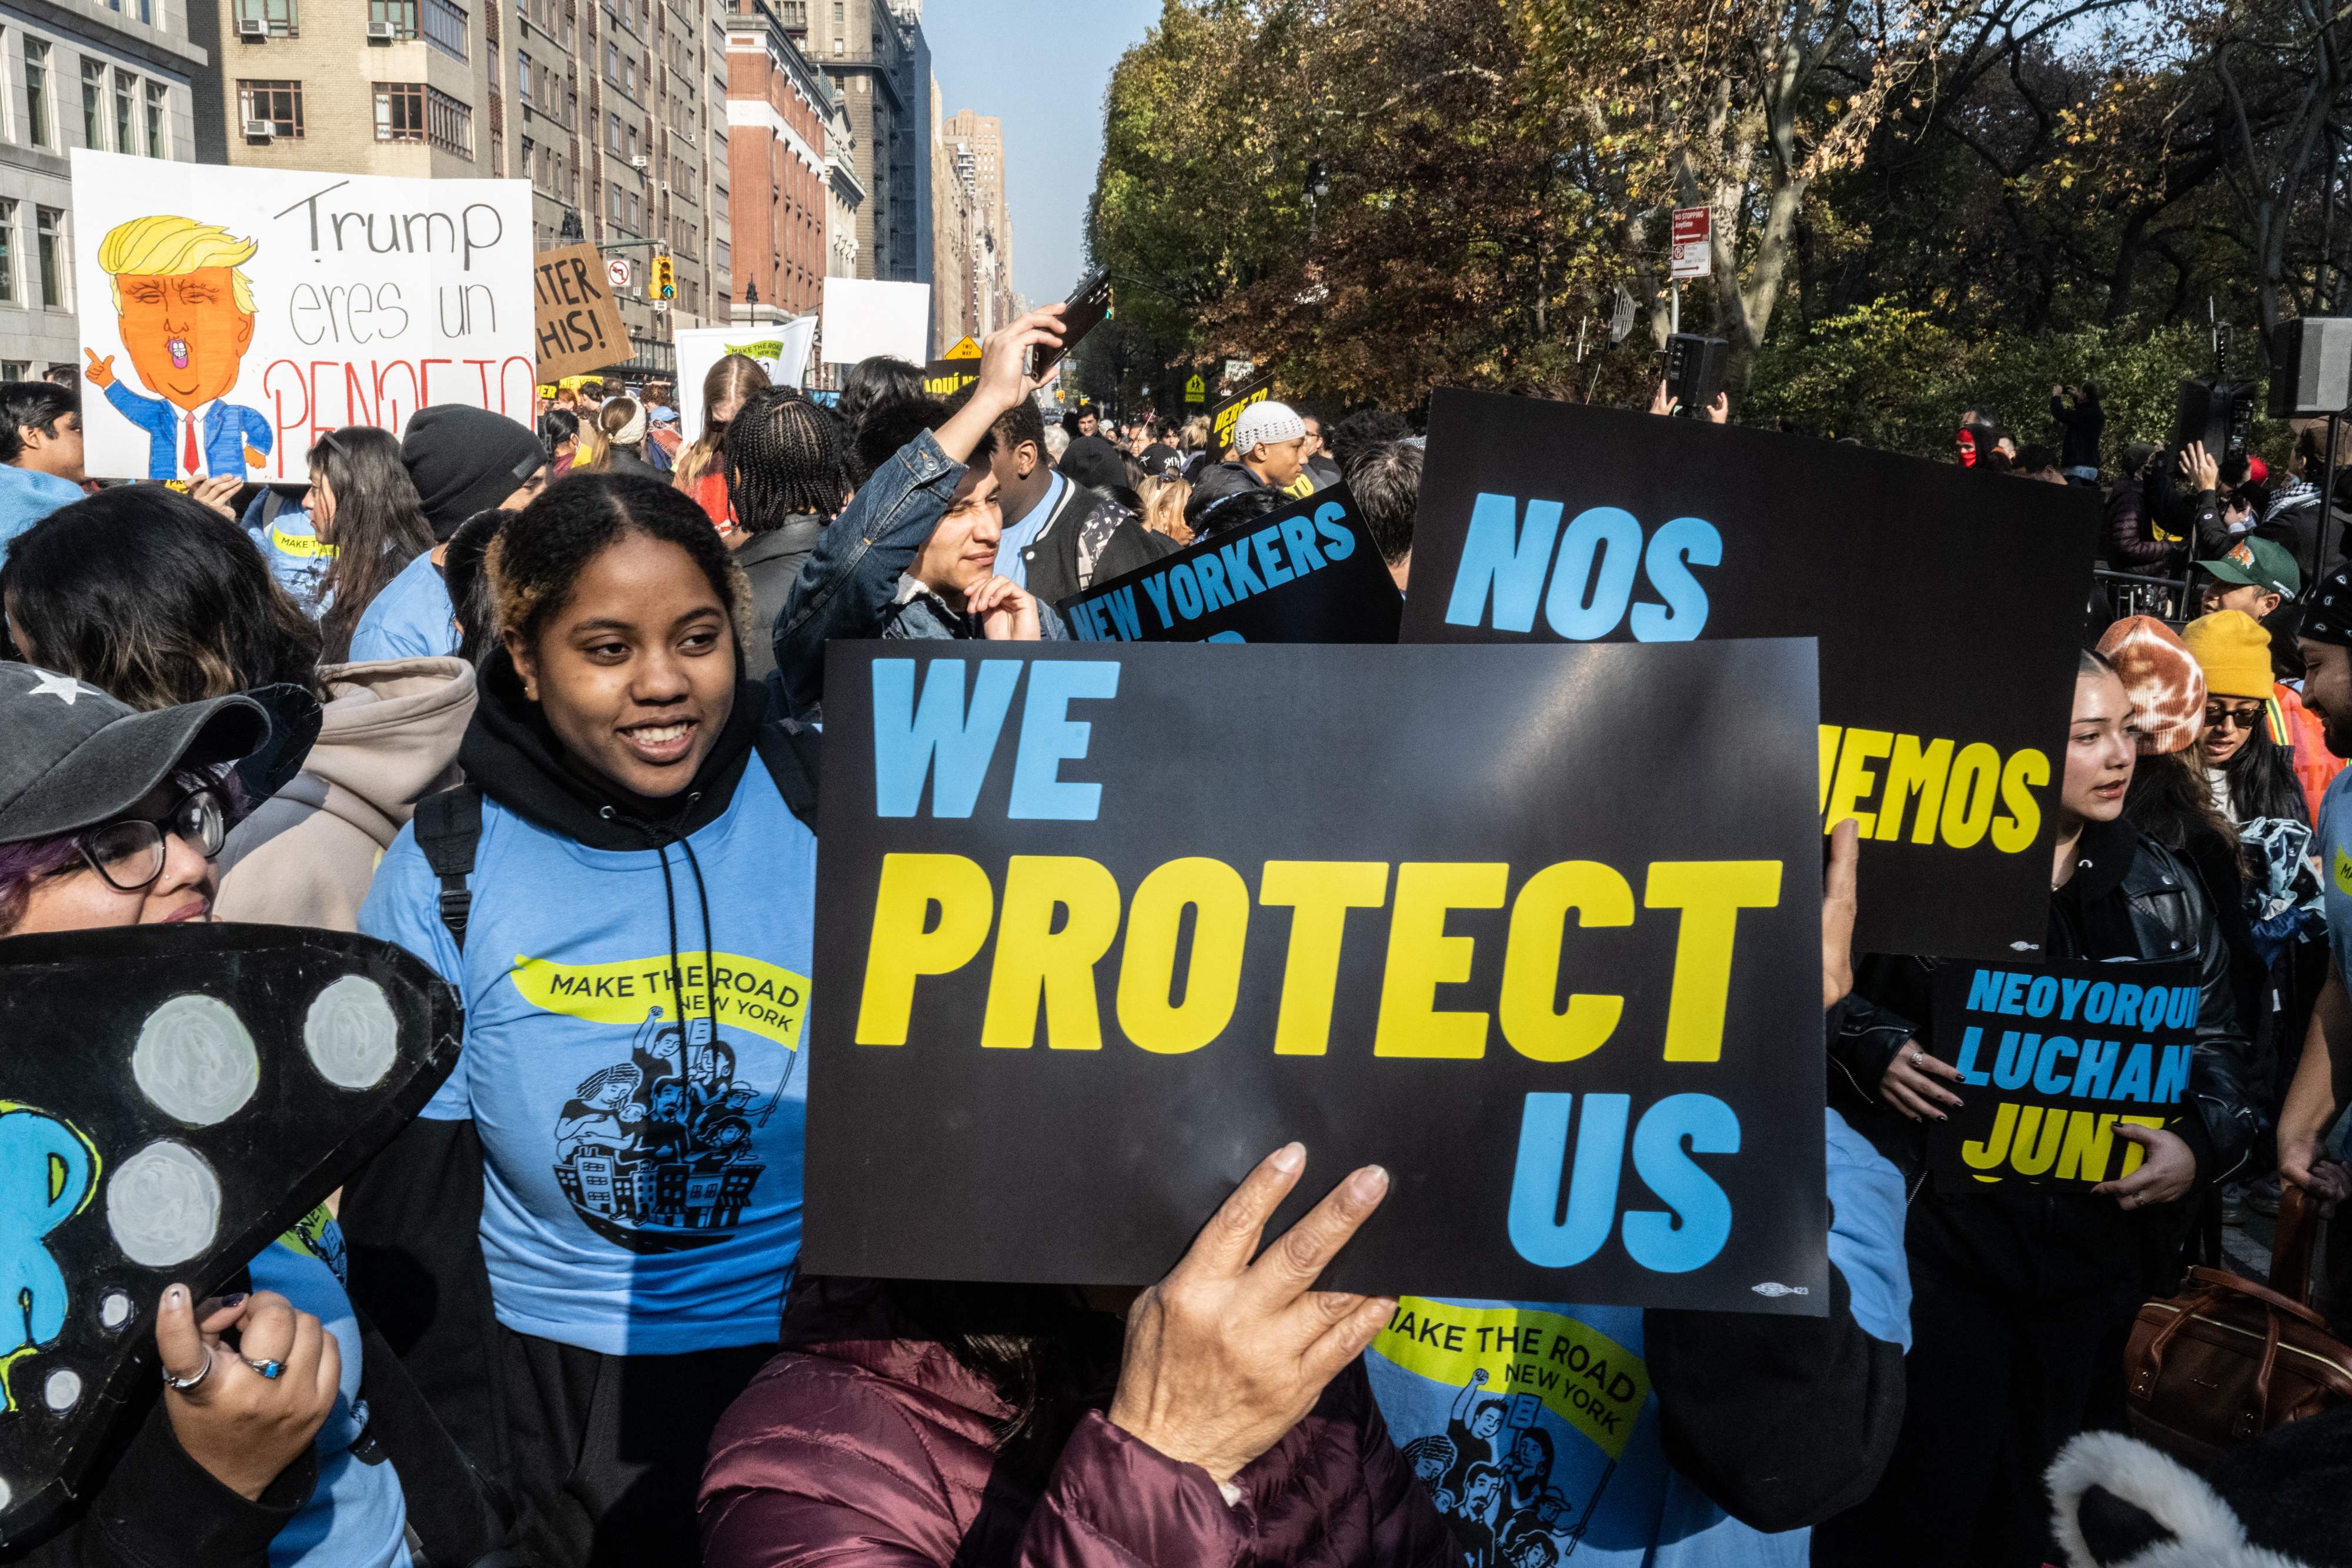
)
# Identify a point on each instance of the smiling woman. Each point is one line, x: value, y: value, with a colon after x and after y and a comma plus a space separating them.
x: 632, y: 1074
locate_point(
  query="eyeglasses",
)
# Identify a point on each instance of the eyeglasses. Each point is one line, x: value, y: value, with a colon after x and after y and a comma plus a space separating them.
x: 2245, y: 718
x: 129, y: 853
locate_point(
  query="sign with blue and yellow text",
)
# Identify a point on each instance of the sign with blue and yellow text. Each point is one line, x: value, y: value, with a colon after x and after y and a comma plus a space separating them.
x: 2053, y: 1059
x: 1110, y: 922
x: 1949, y: 605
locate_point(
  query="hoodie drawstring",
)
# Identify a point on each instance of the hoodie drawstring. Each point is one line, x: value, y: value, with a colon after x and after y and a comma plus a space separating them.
x: 660, y: 838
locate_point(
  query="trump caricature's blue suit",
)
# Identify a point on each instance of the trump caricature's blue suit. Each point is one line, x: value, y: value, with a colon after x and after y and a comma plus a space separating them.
x: 229, y: 429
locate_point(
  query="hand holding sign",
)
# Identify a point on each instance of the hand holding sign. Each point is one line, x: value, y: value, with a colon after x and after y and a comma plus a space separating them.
x: 245, y: 1426
x: 2167, y: 1170
x: 1911, y: 1085
x: 1225, y: 1355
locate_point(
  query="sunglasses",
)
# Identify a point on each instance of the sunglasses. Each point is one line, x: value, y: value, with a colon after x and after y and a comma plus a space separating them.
x: 2245, y: 718
x: 129, y: 853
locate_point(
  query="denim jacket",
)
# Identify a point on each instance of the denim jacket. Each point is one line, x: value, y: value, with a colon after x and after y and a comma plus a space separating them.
x: 848, y: 588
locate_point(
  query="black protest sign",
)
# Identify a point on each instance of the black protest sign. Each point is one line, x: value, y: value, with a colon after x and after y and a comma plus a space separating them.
x: 1947, y: 604
x: 1305, y: 574
x: 577, y: 321
x: 2053, y: 1059
x: 171, y: 1099
x: 1229, y: 409
x: 1110, y: 923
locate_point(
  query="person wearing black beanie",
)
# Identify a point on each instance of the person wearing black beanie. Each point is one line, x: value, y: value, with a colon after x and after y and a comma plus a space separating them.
x: 463, y: 460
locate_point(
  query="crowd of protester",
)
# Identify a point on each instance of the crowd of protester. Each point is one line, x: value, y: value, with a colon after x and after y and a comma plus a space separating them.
x: 486, y: 690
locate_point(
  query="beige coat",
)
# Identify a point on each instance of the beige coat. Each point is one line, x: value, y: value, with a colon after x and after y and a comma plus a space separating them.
x: 389, y: 739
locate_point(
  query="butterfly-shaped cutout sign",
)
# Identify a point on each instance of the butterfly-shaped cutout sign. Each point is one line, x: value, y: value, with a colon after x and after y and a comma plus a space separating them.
x: 171, y: 1098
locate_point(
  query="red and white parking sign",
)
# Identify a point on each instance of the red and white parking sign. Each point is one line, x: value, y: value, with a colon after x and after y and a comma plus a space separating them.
x: 1691, y: 254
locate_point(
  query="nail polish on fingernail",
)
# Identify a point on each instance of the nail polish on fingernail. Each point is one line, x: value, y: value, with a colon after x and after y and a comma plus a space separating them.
x: 176, y: 1296
x: 1291, y: 1156
x: 236, y: 1299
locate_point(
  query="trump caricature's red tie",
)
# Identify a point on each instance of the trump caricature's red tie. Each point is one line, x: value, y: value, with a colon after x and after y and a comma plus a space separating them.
x: 188, y: 446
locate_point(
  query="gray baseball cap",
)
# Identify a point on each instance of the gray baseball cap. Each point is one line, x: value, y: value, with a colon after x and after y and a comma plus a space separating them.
x: 73, y: 757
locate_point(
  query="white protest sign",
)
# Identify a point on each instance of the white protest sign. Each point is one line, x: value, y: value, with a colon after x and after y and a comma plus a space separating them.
x: 863, y: 318
x: 781, y: 347
x: 232, y: 316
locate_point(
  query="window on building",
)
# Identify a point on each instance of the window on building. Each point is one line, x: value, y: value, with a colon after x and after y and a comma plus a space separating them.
x: 840, y: 44
x: 522, y: 76
x: 126, y: 105
x: 449, y: 123
x: 400, y: 111
x: 400, y: 16
x: 51, y: 240
x: 93, y: 103
x: 38, y: 130
x: 278, y: 18
x: 157, y: 146
x: 444, y: 27
x: 277, y: 102
x: 16, y: 369
x: 9, y: 293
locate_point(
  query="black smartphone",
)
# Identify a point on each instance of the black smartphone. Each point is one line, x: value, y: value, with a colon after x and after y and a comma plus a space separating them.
x: 1088, y: 303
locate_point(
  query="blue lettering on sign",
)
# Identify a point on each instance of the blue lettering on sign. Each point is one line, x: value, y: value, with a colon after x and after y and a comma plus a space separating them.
x: 1686, y: 1235
x: 1237, y: 568
x: 48, y: 1171
x: 1507, y: 554
x: 942, y: 739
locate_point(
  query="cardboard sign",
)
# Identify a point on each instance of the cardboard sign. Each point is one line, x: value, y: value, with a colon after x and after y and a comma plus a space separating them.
x: 231, y: 317
x: 1307, y: 574
x: 1221, y: 417
x: 1947, y: 603
x: 863, y: 318
x: 580, y: 325
x: 781, y: 348
x: 1692, y: 255
x: 2051, y: 1060
x: 171, y: 1099
x: 1110, y: 925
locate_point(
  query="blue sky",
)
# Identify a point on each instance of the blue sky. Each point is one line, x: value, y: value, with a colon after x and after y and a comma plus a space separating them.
x: 1041, y: 66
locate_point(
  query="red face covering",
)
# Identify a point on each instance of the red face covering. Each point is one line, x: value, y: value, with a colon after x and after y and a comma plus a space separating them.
x: 1967, y: 443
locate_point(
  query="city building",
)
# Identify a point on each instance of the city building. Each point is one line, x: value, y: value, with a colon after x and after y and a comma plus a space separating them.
x: 952, y: 312
x: 974, y: 145
x: 614, y: 109
x: 844, y: 196
x: 115, y: 74
x: 781, y: 120
x: 869, y: 52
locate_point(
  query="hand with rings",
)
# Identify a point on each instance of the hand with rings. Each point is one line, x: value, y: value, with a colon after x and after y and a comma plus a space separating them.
x: 244, y: 1411
x: 1915, y: 1083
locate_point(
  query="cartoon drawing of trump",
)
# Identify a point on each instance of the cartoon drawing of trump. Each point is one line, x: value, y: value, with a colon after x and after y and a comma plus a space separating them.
x: 185, y: 313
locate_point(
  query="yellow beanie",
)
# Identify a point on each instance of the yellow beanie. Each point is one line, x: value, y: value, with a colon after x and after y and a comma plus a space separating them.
x: 2233, y: 650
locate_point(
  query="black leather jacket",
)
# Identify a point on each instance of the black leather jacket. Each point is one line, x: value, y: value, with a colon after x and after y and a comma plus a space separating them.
x: 2130, y: 897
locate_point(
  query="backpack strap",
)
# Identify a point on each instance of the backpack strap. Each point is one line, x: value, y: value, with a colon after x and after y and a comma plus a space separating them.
x: 449, y: 830
x: 789, y: 751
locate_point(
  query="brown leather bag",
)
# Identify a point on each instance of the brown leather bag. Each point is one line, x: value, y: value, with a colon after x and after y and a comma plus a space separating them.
x: 2228, y: 1360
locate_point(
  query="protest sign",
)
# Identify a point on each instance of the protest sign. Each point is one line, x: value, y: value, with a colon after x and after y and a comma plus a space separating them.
x: 1441, y: 909
x: 173, y: 1099
x: 779, y: 348
x: 1947, y: 605
x: 863, y: 318
x: 2053, y: 1059
x: 953, y: 370
x: 1305, y: 574
x: 579, y: 321
x: 231, y: 317
x: 1221, y: 417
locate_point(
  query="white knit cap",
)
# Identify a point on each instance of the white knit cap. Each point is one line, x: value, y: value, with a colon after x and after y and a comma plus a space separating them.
x: 1267, y: 422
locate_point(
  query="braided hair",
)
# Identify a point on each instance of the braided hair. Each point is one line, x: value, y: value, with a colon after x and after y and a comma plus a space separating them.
x: 785, y: 457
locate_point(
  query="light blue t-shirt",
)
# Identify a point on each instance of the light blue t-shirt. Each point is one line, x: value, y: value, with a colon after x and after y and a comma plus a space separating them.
x: 298, y: 556
x: 411, y: 619
x: 26, y: 496
x: 1021, y: 534
x: 1526, y: 1420
x: 2333, y: 846
x: 640, y: 1190
x: 357, y: 1516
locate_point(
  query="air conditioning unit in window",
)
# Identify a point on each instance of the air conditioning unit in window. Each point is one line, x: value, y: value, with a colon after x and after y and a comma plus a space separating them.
x: 380, y: 33
x: 638, y: 161
x: 252, y: 28
x: 260, y: 131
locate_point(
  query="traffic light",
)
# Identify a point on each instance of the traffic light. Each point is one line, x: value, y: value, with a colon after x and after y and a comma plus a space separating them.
x: 662, y: 282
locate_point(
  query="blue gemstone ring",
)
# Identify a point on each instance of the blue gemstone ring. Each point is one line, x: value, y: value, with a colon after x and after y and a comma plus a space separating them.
x: 269, y: 1369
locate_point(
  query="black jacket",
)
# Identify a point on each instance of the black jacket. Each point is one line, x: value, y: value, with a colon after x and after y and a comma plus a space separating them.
x: 1088, y: 536
x: 2081, y: 425
x: 2130, y: 897
x: 772, y: 561
x: 621, y: 460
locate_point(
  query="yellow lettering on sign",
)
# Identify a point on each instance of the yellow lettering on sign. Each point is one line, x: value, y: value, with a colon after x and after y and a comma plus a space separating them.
x: 1582, y: 1377
x: 750, y: 993
x: 1710, y: 893
x: 1320, y: 893
x: 1953, y: 800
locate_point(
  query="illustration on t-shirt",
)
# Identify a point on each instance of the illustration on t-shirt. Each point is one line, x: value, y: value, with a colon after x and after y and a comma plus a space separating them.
x: 1493, y: 1462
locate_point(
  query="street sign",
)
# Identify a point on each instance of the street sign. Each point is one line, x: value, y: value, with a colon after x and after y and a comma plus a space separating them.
x: 1692, y: 258
x: 617, y: 269
x: 965, y: 349
x: 1196, y: 390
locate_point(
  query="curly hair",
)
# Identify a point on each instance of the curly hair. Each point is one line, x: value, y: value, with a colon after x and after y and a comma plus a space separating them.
x: 785, y: 458
x: 539, y: 553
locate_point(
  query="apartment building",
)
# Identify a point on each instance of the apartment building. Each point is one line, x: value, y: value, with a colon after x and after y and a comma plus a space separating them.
x: 116, y: 75
x: 780, y: 120
x: 869, y: 51
x: 953, y: 310
x: 974, y: 144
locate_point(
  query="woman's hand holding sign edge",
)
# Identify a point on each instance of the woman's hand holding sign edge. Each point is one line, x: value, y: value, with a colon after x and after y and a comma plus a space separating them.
x: 1226, y: 1354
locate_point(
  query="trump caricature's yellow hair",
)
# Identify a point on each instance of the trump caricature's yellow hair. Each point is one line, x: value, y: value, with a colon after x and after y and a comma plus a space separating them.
x: 165, y: 247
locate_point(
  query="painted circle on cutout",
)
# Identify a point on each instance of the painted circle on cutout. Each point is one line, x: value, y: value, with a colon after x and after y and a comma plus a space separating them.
x: 163, y: 1204
x: 114, y: 1310
x: 351, y: 1033
x: 195, y: 1060
x: 62, y: 1392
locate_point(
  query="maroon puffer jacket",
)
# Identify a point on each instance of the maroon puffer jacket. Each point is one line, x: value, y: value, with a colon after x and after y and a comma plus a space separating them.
x: 849, y: 1451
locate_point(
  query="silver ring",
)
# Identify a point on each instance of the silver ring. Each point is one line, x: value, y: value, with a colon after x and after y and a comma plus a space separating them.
x: 269, y: 1369
x: 184, y: 1384
x: 1918, y: 1056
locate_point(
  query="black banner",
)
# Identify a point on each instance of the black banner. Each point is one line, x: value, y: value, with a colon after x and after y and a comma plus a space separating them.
x: 1108, y: 924
x: 1307, y: 574
x: 2053, y: 1059
x: 1228, y: 409
x: 1947, y: 603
